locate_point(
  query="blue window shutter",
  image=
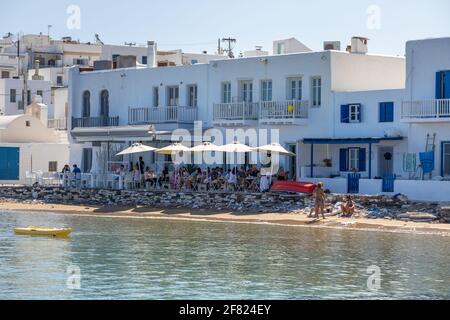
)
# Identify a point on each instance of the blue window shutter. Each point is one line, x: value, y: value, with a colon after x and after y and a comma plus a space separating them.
x: 389, y: 110
x: 382, y: 112
x: 386, y: 112
x: 438, y: 85
x: 345, y: 113
x: 446, y: 85
x: 359, y: 113
x: 362, y: 159
x: 343, y: 160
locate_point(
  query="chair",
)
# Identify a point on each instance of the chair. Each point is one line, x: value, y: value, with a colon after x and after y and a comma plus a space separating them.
x: 128, y: 181
x: 30, y: 178
x: 111, y: 180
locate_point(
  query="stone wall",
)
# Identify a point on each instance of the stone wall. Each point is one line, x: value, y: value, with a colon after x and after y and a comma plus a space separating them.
x: 373, y: 207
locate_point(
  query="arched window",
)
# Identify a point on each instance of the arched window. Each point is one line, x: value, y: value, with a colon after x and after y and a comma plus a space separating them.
x: 86, y: 104
x: 104, y: 103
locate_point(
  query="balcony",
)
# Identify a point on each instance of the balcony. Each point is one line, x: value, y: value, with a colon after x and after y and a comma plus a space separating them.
x: 57, y: 124
x: 162, y: 115
x: 284, y: 112
x: 94, y: 122
x: 236, y: 113
x: 436, y: 110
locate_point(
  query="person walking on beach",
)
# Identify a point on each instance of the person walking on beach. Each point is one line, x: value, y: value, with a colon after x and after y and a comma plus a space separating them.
x: 319, y: 195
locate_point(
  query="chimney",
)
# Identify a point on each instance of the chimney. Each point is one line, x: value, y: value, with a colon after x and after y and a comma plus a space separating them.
x: 359, y: 45
x: 36, y: 75
x: 152, y: 53
x: 38, y: 109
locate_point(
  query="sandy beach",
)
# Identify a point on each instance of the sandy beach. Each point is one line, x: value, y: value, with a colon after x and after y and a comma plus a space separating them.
x: 288, y: 219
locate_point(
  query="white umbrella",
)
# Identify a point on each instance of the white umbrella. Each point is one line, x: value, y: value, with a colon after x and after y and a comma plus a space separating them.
x: 236, y: 147
x: 275, y: 148
x: 173, y: 148
x: 136, y: 148
x: 206, y: 147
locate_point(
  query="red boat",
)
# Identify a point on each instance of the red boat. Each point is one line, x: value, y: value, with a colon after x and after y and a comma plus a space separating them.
x: 293, y: 186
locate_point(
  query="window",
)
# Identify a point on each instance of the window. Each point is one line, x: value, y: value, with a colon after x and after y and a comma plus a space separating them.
x: 52, y: 166
x: 446, y: 159
x: 86, y: 112
x: 155, y: 96
x: 295, y: 89
x: 280, y: 48
x: 104, y: 103
x: 59, y: 80
x: 28, y: 97
x: 226, y: 92
x: 172, y: 96
x: 351, y: 113
x: 12, y: 95
x: 246, y: 92
x: 86, y: 160
x: 353, y: 159
x: 316, y: 83
x: 192, y: 96
x: 5, y: 74
x: 144, y: 60
x: 115, y: 57
x: 443, y: 84
x: 27, y: 123
x: 266, y: 90
x: 40, y: 93
x: 81, y: 62
x: 386, y: 112
x: 354, y: 112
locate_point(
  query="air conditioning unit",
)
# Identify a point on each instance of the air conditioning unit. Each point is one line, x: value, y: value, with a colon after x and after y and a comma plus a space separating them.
x: 332, y: 45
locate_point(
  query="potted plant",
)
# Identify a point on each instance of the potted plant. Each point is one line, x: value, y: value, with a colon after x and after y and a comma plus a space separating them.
x: 327, y: 162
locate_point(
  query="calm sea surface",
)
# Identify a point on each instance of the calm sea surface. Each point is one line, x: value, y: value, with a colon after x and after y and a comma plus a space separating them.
x: 157, y: 259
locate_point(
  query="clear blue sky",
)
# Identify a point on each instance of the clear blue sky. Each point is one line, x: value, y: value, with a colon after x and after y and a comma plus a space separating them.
x: 196, y: 25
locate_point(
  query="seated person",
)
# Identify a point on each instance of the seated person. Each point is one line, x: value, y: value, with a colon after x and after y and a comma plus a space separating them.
x: 348, y: 207
x: 254, y: 171
x: 231, y: 177
x: 281, y: 176
x: 149, y: 176
x: 264, y: 184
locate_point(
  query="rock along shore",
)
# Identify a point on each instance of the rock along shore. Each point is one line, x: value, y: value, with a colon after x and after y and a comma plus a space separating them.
x: 372, y: 207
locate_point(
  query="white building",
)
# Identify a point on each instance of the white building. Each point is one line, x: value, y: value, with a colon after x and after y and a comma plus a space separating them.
x: 27, y: 145
x: 14, y: 98
x: 426, y: 105
x: 341, y: 112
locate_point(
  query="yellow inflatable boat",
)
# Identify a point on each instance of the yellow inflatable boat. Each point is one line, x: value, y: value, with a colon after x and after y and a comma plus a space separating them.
x: 38, y: 231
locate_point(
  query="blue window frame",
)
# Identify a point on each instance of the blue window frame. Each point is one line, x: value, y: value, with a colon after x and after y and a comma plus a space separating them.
x: 352, y: 158
x: 443, y: 84
x: 445, y: 158
x: 144, y: 59
x: 351, y: 113
x: 386, y: 112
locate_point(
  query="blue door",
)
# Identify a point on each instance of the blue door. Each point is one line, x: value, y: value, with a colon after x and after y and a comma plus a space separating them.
x: 9, y: 163
x: 353, y: 182
x: 388, y: 183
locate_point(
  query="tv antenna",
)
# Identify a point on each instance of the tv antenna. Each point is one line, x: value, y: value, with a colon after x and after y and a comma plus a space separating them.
x: 97, y: 39
x: 229, y: 50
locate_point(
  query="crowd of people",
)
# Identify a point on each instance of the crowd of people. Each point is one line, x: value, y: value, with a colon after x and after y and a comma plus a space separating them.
x: 243, y: 178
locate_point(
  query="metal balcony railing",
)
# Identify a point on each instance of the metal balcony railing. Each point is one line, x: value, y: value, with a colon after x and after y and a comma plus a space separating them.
x: 93, y: 122
x: 171, y: 114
